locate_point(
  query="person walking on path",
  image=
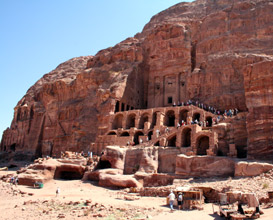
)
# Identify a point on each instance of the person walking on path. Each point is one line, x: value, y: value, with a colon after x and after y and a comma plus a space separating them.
x: 58, y: 191
x: 171, y: 199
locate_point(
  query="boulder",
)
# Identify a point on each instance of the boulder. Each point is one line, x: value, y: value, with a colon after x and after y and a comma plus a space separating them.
x: 94, y: 175
x: 120, y: 181
x: 204, y: 166
x: 251, y: 168
x: 155, y: 179
x: 115, y: 155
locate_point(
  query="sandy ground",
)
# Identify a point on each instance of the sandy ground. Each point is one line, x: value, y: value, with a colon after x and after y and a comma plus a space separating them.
x: 73, y: 202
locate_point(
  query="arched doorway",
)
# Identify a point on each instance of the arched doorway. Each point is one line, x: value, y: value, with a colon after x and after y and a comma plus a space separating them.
x: 144, y: 118
x: 117, y: 122
x: 186, y: 137
x: 112, y: 133
x: 202, y: 145
x: 130, y: 123
x: 169, y: 118
x: 196, y: 116
x: 183, y: 114
x: 209, y: 120
x: 150, y: 135
x: 136, y: 137
x: 172, y: 141
x: 154, y: 119
x: 125, y: 134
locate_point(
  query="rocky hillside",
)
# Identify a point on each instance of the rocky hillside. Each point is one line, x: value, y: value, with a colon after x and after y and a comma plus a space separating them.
x: 222, y: 49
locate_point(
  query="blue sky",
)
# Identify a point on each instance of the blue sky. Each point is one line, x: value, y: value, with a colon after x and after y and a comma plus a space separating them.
x: 37, y: 35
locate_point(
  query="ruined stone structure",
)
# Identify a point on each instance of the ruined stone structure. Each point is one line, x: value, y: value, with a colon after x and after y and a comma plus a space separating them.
x: 216, y: 52
x: 162, y: 127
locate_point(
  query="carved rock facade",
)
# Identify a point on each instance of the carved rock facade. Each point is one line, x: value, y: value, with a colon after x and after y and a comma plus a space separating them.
x: 215, y: 52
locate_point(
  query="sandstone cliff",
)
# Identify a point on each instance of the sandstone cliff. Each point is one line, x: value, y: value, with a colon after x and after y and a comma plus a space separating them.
x: 217, y: 52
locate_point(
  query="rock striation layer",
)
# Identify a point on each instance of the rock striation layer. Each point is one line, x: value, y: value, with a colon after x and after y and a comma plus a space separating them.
x: 217, y: 52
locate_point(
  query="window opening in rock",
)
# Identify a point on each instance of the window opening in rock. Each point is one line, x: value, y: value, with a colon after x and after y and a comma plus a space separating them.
x: 144, y: 118
x: 169, y: 119
x: 186, y: 137
x: 196, y: 116
x: 136, y: 137
x: 209, y: 120
x: 117, y: 122
x: 117, y: 107
x: 170, y: 100
x: 202, y: 145
x: 125, y: 134
x: 154, y: 119
x: 130, y: 121
x: 183, y: 116
x: 112, y: 133
x: 122, y: 107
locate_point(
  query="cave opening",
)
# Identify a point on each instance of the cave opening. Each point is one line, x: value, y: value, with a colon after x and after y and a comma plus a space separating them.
x: 68, y: 175
x: 103, y: 164
x: 241, y: 151
x: 13, y: 147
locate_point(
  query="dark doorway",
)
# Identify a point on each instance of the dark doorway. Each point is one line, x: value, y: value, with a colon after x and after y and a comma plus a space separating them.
x: 130, y: 123
x: 202, y: 145
x: 241, y: 151
x: 172, y: 141
x: 150, y: 135
x: 154, y: 119
x: 117, y: 122
x: 103, y: 164
x: 136, y: 137
x: 196, y: 116
x: 209, y: 120
x: 157, y: 143
x: 13, y: 147
x: 124, y: 134
x: 5, y: 148
x: 112, y: 133
x: 144, y: 118
x: 169, y: 118
x: 117, y: 107
x: 186, y: 137
x: 183, y: 115
x: 65, y: 174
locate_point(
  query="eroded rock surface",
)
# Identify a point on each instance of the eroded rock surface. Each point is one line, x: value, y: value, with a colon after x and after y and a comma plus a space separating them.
x: 217, y: 52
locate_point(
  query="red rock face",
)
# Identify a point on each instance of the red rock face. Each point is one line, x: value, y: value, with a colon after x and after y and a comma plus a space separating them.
x: 217, y: 52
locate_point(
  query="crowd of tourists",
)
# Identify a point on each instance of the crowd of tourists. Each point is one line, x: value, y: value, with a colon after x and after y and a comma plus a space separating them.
x: 227, y: 113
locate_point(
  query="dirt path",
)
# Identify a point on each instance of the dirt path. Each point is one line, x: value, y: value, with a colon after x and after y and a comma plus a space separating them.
x: 106, y: 204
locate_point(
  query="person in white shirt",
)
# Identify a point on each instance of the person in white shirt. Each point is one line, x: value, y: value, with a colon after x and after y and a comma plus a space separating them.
x: 171, y: 199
